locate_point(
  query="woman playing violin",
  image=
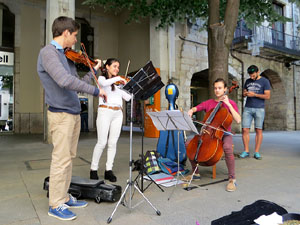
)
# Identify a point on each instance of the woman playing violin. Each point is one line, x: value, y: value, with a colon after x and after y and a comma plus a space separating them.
x: 109, y: 119
x: 220, y: 88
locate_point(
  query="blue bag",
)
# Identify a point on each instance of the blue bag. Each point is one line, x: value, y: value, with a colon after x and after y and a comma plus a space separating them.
x: 170, y: 167
x: 167, y: 145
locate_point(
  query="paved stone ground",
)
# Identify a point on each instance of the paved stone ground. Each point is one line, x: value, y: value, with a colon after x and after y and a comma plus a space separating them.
x: 25, y: 160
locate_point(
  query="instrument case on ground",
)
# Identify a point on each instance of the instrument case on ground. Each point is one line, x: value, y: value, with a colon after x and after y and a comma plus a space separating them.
x: 83, y: 188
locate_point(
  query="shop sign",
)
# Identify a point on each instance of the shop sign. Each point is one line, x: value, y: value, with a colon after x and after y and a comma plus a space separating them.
x: 6, y: 58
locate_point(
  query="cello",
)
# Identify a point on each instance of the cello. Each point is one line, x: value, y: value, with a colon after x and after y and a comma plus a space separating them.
x: 206, y: 148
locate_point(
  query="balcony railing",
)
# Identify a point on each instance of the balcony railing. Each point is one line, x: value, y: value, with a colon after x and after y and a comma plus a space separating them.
x: 269, y: 36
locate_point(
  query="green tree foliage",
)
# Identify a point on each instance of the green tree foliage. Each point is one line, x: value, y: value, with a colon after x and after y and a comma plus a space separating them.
x: 170, y: 11
x: 221, y: 17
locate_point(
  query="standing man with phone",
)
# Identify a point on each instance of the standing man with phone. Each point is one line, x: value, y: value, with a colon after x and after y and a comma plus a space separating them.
x: 257, y: 90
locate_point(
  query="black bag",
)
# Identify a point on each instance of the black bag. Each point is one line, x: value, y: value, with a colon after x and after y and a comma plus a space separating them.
x: 83, y: 188
x: 249, y: 213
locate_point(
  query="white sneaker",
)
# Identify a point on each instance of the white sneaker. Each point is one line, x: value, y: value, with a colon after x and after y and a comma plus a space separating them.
x: 231, y: 186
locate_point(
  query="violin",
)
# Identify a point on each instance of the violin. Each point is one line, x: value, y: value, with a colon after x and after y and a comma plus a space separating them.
x: 78, y: 57
x: 123, y: 77
x: 82, y: 57
x: 206, y: 148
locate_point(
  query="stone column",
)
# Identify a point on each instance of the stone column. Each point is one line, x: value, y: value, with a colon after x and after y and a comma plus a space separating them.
x: 171, y: 49
x: 55, y: 8
x: 159, y: 56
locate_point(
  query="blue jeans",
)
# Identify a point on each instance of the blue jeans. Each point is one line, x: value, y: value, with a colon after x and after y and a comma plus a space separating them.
x: 258, y: 114
x: 84, y: 122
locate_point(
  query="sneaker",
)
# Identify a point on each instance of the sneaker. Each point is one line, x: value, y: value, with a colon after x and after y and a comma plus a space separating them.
x: 109, y: 175
x: 74, y: 203
x: 244, y: 154
x: 231, y: 186
x: 257, y: 156
x: 62, y: 213
x: 94, y: 175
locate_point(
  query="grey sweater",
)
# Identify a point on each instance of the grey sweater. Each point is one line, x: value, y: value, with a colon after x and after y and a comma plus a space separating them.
x: 61, y: 81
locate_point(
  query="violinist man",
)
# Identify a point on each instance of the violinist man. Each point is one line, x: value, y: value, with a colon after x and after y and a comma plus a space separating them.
x: 220, y: 87
x: 257, y: 90
x: 61, y: 83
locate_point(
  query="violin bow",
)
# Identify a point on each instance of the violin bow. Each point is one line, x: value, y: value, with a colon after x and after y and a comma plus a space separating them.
x: 127, y: 68
x: 203, y: 124
x: 90, y: 66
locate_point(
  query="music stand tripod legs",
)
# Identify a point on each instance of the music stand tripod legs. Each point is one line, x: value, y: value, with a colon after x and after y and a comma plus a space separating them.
x: 141, y: 176
x: 142, y: 170
x: 130, y: 183
x: 173, y: 120
x: 178, y: 168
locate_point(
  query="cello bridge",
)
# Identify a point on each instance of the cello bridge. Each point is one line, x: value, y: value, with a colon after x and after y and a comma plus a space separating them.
x: 206, y: 131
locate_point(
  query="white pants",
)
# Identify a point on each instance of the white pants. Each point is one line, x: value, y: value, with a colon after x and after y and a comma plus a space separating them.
x: 109, y: 124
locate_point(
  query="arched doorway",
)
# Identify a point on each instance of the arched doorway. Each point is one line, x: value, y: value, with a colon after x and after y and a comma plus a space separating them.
x: 276, y: 106
x: 199, y: 90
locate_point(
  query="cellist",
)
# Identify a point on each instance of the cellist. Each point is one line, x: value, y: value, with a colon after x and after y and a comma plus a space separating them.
x: 220, y: 88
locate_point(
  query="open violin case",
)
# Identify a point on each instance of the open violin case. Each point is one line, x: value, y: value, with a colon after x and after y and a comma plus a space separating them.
x: 83, y: 188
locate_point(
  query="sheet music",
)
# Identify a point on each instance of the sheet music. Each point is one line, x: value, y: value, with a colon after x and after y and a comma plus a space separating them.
x: 190, y: 122
x: 172, y: 120
x: 145, y: 83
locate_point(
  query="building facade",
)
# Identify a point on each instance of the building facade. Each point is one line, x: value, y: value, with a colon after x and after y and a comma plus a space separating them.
x: 274, y: 48
x: 26, y: 28
x: 179, y: 51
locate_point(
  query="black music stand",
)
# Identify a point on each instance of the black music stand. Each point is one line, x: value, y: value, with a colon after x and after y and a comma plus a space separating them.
x: 142, y: 170
x: 173, y: 120
x: 142, y: 85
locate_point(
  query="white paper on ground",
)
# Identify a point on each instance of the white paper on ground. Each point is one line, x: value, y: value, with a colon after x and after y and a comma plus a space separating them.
x: 172, y: 183
x: 272, y: 219
x: 159, y: 177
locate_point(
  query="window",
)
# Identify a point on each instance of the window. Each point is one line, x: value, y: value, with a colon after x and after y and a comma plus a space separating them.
x: 85, y: 36
x: 278, y: 27
x: 7, y: 34
x: 242, y: 30
x: 7, y: 28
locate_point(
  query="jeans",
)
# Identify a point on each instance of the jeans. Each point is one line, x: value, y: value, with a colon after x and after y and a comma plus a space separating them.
x: 258, y: 114
x: 84, y: 122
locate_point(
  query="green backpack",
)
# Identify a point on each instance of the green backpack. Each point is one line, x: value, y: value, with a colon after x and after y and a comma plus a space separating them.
x: 151, y: 165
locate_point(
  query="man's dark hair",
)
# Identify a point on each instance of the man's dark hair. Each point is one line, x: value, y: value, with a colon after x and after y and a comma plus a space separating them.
x: 252, y: 69
x: 63, y: 23
x: 221, y: 80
